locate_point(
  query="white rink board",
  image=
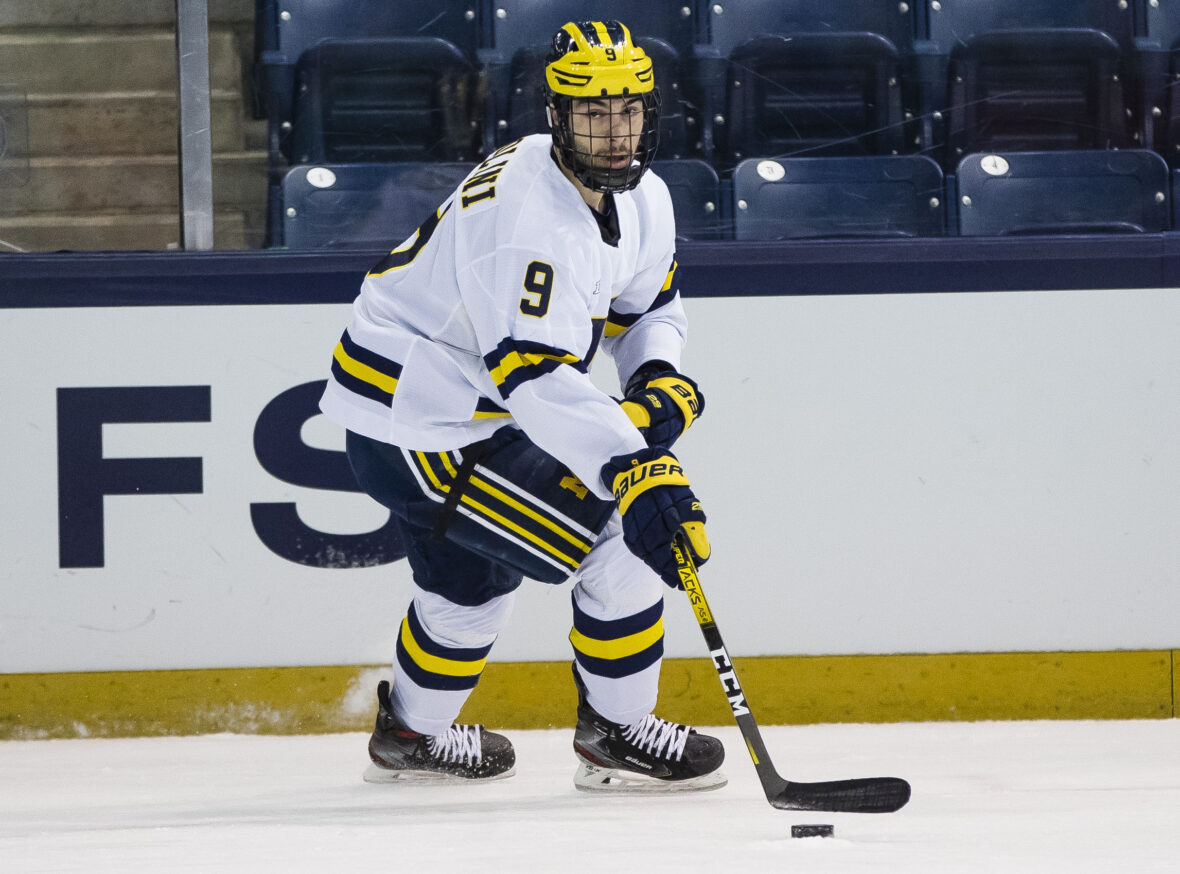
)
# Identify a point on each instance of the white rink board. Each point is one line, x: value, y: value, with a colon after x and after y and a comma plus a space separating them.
x: 895, y: 473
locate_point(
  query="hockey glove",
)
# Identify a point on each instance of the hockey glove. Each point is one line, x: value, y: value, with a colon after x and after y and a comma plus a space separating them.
x: 656, y: 503
x: 662, y: 404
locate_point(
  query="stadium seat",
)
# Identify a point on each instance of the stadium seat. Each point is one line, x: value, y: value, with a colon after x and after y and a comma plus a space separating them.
x: 1176, y: 198
x: 955, y: 22
x: 728, y: 25
x: 1157, y: 76
x: 363, y: 205
x: 396, y: 99
x: 518, y: 24
x: 864, y: 196
x: 285, y: 29
x: 696, y: 197
x: 950, y: 26
x: 521, y: 32
x: 1034, y: 90
x: 1086, y: 191
x: 814, y: 95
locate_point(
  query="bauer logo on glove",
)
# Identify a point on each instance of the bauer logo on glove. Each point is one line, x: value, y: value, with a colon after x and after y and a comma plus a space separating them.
x: 653, y: 473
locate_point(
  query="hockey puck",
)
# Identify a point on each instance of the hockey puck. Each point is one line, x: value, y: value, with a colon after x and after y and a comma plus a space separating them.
x: 812, y: 831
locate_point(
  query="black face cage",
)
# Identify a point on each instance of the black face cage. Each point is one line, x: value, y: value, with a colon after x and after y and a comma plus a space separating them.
x: 583, y: 163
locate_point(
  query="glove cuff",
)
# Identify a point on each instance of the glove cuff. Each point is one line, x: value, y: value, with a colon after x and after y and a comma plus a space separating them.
x: 646, y: 373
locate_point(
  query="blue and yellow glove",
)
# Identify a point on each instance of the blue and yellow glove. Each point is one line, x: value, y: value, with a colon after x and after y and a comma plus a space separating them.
x: 656, y: 503
x: 662, y: 403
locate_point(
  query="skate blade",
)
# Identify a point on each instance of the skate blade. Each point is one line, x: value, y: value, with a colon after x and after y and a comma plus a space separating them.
x: 591, y: 778
x: 374, y: 774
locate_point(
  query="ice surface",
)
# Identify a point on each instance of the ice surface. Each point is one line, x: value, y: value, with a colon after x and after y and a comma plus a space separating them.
x: 1073, y: 797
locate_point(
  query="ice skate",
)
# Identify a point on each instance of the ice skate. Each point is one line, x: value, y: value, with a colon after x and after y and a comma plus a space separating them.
x: 651, y: 755
x: 462, y: 752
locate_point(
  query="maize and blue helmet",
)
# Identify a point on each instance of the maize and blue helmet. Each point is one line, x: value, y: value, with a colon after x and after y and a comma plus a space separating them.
x: 597, y: 59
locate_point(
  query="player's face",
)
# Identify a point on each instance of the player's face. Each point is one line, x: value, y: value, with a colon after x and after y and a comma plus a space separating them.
x: 607, y: 130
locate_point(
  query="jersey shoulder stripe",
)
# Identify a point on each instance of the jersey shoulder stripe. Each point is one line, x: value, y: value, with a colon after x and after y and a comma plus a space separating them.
x: 618, y: 322
x: 407, y: 252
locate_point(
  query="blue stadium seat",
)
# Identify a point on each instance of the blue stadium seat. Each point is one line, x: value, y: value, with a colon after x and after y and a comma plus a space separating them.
x: 397, y: 99
x: 1034, y: 90
x: 285, y: 29
x: 1176, y: 198
x: 362, y: 205
x: 1063, y: 192
x: 972, y: 31
x: 727, y: 25
x: 696, y: 197
x: 1162, y: 23
x: 865, y: 196
x: 955, y: 22
x: 813, y: 95
x: 516, y: 24
x: 1158, y: 77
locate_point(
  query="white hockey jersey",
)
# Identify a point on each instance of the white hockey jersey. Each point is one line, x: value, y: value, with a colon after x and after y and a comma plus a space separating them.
x: 490, y: 313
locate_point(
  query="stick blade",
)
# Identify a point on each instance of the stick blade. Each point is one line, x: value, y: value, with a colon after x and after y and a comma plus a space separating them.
x: 864, y: 795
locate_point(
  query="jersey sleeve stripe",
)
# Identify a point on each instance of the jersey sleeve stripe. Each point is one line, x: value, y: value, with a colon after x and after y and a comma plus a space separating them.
x: 359, y: 386
x: 486, y: 408
x: 375, y: 377
x: 513, y: 363
x: 365, y: 372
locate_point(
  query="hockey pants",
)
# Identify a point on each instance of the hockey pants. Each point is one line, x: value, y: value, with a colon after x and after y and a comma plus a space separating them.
x: 475, y: 522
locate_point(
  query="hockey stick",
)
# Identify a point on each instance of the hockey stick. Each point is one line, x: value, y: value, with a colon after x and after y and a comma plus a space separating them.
x: 863, y: 795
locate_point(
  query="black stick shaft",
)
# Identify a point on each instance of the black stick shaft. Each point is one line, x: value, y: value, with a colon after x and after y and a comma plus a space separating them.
x: 772, y: 783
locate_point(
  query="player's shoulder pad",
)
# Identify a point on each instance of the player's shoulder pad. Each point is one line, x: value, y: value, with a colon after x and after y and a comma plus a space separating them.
x: 652, y: 198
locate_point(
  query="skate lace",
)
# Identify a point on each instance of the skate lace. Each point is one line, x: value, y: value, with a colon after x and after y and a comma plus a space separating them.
x: 657, y: 736
x: 459, y: 743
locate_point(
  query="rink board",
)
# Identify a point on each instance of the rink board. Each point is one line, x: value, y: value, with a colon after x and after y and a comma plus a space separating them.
x: 522, y: 695
x: 961, y: 470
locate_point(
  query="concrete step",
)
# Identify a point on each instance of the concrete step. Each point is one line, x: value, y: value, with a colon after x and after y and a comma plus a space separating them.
x: 129, y: 123
x: 112, y: 13
x: 66, y: 62
x: 91, y: 185
x: 115, y: 231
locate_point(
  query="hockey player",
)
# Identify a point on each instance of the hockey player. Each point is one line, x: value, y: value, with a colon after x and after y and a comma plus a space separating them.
x: 462, y: 380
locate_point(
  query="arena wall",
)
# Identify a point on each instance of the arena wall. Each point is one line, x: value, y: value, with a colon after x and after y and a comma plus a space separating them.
x: 952, y: 501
